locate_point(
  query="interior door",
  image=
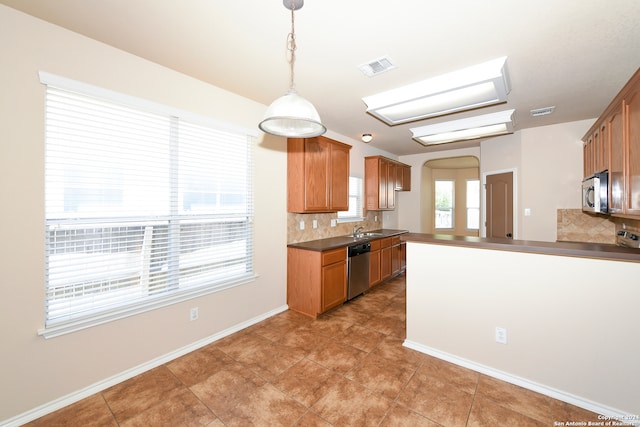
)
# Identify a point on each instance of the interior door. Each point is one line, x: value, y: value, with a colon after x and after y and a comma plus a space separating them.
x: 499, y: 205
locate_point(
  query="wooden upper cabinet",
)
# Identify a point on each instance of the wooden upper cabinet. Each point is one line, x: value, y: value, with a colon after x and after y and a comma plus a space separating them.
x: 613, y: 144
x: 403, y: 178
x: 587, y: 158
x: 382, y: 178
x: 340, y: 176
x: 390, y: 181
x: 632, y: 128
x: 602, y: 148
x: 616, y: 165
x: 317, y: 175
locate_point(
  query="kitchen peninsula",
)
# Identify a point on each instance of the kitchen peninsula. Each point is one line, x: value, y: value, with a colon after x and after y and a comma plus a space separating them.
x: 566, y: 313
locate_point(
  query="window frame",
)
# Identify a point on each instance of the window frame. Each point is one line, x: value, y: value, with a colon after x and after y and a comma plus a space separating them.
x: 435, y: 204
x: 118, y: 311
x: 356, y: 193
x: 477, y: 180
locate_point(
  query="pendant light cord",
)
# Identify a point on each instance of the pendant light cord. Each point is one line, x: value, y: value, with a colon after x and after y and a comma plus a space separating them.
x: 291, y: 48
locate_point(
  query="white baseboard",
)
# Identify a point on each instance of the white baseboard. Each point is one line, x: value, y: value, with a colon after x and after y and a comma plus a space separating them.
x: 572, y: 399
x: 78, y: 395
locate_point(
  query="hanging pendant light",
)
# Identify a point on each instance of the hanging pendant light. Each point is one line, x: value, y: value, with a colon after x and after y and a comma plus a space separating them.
x: 291, y: 115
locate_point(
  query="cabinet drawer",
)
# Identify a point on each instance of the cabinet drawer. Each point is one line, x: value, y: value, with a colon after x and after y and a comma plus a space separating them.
x: 375, y: 244
x: 386, y: 242
x: 395, y: 240
x: 336, y: 255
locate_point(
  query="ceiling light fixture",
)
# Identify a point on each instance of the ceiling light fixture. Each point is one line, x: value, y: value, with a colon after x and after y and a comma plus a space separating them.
x: 367, y: 137
x: 477, y: 86
x: 291, y: 115
x: 492, y: 124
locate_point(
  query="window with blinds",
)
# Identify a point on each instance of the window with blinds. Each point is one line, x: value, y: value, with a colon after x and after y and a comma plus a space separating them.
x: 355, y: 201
x: 143, y: 208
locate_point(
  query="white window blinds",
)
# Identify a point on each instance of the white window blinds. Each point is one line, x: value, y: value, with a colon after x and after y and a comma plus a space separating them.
x: 142, y: 208
x: 355, y: 201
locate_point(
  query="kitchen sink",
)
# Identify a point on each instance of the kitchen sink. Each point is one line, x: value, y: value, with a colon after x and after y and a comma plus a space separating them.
x: 371, y: 234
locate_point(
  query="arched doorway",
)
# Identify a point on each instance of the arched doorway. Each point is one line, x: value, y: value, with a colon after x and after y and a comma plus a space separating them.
x: 450, y: 199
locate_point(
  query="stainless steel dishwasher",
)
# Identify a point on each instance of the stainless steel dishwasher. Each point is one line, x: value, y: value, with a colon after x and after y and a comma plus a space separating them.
x: 358, y: 269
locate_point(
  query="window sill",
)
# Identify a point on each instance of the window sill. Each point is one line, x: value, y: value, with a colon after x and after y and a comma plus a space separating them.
x: 349, y: 219
x: 67, y: 327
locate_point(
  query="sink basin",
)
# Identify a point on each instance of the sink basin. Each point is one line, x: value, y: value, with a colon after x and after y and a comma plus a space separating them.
x: 361, y: 235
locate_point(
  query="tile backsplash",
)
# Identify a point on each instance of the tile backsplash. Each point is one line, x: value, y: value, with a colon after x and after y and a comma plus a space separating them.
x: 574, y: 225
x: 324, y: 229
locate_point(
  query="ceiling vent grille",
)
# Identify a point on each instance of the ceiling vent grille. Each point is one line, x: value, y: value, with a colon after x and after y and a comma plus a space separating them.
x: 542, y: 111
x: 377, y: 66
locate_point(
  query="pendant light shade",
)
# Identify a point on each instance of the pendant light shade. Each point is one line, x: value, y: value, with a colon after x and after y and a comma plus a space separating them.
x: 292, y: 116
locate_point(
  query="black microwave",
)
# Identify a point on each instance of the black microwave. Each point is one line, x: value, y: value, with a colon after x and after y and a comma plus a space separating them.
x: 595, y: 193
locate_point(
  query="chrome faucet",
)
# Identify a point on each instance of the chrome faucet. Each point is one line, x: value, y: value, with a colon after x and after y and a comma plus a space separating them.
x: 356, y: 229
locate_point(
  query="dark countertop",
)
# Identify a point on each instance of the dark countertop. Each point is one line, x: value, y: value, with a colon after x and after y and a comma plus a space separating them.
x: 573, y: 249
x: 341, y: 241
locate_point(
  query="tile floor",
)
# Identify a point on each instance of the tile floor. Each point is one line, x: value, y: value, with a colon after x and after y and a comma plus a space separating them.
x: 347, y: 368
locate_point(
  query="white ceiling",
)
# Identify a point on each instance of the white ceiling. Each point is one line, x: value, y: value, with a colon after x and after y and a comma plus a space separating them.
x: 574, y: 54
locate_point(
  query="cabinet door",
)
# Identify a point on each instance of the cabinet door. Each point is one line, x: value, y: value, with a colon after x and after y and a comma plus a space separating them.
x: 616, y: 169
x: 385, y: 263
x: 587, y: 157
x: 602, y: 149
x: 391, y: 185
x: 406, y: 178
x: 316, y: 174
x: 632, y: 139
x: 374, y: 268
x: 395, y: 259
x: 383, y: 177
x: 334, y: 285
x: 340, y: 177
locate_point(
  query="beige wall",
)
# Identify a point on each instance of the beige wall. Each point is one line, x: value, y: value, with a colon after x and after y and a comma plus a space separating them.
x: 550, y: 177
x: 35, y: 371
x: 571, y: 322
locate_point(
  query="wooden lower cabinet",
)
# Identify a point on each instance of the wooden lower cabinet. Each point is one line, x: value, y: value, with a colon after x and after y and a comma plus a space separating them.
x: 388, y: 259
x: 398, y: 256
x: 375, y: 262
x: 316, y: 281
x: 386, y: 256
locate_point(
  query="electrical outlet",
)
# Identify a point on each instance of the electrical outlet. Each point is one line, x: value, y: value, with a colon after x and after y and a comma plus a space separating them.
x: 193, y: 314
x: 335, y: 222
x: 315, y: 223
x: 301, y: 225
x: 501, y: 335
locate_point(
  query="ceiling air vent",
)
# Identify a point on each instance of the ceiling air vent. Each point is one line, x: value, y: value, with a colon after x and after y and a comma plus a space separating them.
x: 542, y: 111
x: 377, y: 66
